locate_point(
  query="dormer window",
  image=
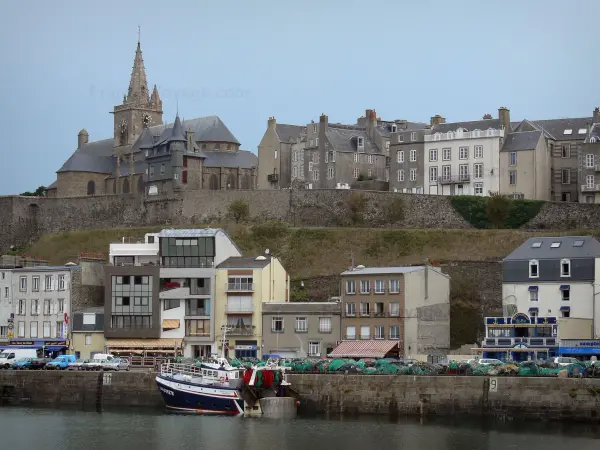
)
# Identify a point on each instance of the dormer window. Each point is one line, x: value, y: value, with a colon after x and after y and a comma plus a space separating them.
x: 490, y: 131
x: 565, y: 268
x: 476, y: 133
x: 394, y: 128
x: 437, y: 137
x: 534, y: 268
x: 360, y: 143
x: 450, y: 135
x: 400, y: 138
x: 413, y: 136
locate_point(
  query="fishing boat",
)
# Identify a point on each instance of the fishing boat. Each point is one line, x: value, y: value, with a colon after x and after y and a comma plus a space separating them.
x: 216, y: 387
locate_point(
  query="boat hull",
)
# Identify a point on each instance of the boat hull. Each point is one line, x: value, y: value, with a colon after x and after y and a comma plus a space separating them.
x: 186, y: 397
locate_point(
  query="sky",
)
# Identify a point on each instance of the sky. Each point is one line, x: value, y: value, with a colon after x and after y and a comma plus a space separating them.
x: 66, y: 63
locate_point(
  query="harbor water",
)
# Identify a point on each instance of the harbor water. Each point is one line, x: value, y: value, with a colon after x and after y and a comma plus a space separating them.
x: 34, y: 429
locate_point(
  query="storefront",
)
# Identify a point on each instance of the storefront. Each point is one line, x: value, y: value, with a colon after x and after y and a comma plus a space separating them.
x: 49, y: 348
x: 145, y: 347
x: 246, y: 349
x: 580, y: 349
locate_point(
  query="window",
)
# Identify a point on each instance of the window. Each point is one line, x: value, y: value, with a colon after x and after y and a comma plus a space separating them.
x: 351, y: 332
x: 433, y: 154
x: 330, y: 173
x: 310, y: 166
x: 365, y: 332
x: 590, y: 180
x: 582, y: 131
x: 315, y: 175
x: 394, y: 286
x: 589, y: 161
x: 413, y: 174
x: 395, y: 309
x: 310, y: 143
x: 512, y: 177
x: 463, y: 153
x: 463, y: 172
x: 565, y: 268
x: 21, y: 330
x: 555, y: 244
x: 446, y: 173
x: 568, y: 131
x: 566, y: 313
x: 536, y: 245
x: 277, y: 324
x: 370, y: 159
x: 478, y: 171
x: 356, y: 172
x: 61, y: 306
x: 478, y: 188
x: 578, y: 244
x: 46, y: 329
x: 565, y: 151
x: 395, y: 332
x: 365, y: 287
x: 534, y: 269
x: 479, y: 151
x: 361, y: 142
x: 400, y: 156
x: 162, y: 169
x: 151, y: 171
x: 413, y: 156
x: 47, y: 307
x: 566, y: 293
x: 387, y: 147
x: 533, y: 295
x: 35, y: 284
x: 379, y: 287
x: 379, y: 332
x: 446, y: 154
x: 355, y: 157
x: 365, y: 309
x: 295, y: 172
x: 6, y: 292
x: 314, y: 348
x: 350, y: 309
x: 351, y: 287
x: 566, y: 176
x: 326, y: 157
x: 171, y: 304
x: 193, y: 327
x: 325, y: 325
x: 314, y: 128
x: 35, y: 307
x: 316, y: 158
x: 23, y: 284
x: 88, y: 339
x: 370, y: 173
x: 48, y: 283
x: 22, y: 306
x: 301, y: 325
x: 400, y: 138
x: 401, y: 175
x: 433, y: 174
x: 413, y: 136
x: 533, y: 313
x: 33, y: 330
x: 512, y: 159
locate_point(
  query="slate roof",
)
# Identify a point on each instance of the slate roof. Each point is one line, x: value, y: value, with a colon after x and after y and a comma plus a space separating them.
x: 341, y: 138
x: 555, y: 127
x: 54, y: 185
x: 383, y: 270
x: 244, y: 262
x: 138, y: 167
x: 525, y: 140
x: 243, y: 159
x: 301, y: 307
x: 386, y: 128
x: 525, y: 252
x: 92, y: 157
x: 482, y: 125
x: 287, y: 132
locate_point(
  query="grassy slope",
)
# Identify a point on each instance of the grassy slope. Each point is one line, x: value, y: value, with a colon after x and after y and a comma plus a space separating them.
x: 308, y: 252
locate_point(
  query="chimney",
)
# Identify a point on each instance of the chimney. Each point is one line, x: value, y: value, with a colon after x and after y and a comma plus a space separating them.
x: 504, y: 116
x: 596, y: 115
x: 189, y: 135
x: 371, y: 122
x: 323, y: 122
x: 437, y: 120
x: 82, y: 138
x: 487, y: 116
x: 272, y: 122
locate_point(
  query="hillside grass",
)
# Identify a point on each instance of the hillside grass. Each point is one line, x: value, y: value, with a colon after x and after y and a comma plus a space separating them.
x: 310, y: 252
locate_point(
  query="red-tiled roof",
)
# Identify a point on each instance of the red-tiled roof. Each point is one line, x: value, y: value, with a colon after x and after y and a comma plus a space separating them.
x: 363, y: 349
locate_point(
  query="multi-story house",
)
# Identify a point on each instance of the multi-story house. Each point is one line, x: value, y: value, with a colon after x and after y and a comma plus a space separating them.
x: 6, y: 305
x: 42, y: 307
x: 550, y: 292
x: 244, y: 286
x: 589, y: 164
x: 275, y: 154
x: 301, y: 329
x: 463, y: 158
x: 407, y: 305
x: 525, y: 162
x: 407, y: 162
x: 88, y: 333
x: 298, y: 179
x: 564, y: 138
x: 160, y: 292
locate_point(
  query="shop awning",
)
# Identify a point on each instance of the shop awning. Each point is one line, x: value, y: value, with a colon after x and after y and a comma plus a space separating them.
x: 533, y: 288
x: 533, y: 308
x: 143, y: 343
x: 565, y: 308
x: 170, y: 324
x: 565, y: 287
x: 363, y: 349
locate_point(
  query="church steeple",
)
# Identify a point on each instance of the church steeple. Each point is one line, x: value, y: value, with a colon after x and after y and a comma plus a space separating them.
x: 155, y: 98
x: 138, y: 85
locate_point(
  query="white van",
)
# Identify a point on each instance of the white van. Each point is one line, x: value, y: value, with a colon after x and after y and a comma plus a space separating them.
x: 102, y: 357
x: 9, y: 356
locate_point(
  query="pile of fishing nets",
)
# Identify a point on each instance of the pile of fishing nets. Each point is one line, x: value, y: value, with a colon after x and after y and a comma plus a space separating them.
x: 263, y: 378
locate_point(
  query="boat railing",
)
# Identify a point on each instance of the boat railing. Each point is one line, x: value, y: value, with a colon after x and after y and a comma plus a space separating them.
x: 180, y: 368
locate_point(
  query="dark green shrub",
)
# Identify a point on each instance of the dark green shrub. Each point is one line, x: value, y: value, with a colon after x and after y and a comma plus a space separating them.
x: 472, y: 209
x: 521, y: 212
x: 496, y: 209
x: 239, y: 211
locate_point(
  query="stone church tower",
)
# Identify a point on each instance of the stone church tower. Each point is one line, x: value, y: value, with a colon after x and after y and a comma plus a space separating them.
x: 139, y: 109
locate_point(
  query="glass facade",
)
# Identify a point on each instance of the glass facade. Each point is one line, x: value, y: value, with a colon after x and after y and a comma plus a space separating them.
x: 187, y: 252
x: 197, y: 327
x: 197, y: 307
x: 131, y: 301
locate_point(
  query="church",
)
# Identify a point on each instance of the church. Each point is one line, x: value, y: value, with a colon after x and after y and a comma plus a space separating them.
x: 146, y: 157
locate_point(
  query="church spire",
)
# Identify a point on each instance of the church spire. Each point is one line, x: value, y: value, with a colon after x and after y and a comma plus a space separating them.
x: 155, y: 98
x: 138, y: 86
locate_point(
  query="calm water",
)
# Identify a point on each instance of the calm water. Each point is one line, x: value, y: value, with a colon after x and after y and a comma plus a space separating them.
x: 36, y: 429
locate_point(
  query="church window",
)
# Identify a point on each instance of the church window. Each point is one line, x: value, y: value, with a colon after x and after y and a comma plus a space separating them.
x: 125, y: 186
x: 246, y: 183
x: 91, y: 188
x: 213, y: 183
x: 231, y: 184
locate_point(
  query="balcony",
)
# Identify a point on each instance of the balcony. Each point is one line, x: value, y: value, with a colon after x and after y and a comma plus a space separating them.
x: 240, y: 309
x: 181, y: 289
x: 590, y: 188
x: 239, y: 287
x: 529, y: 341
x: 455, y: 179
x: 367, y: 337
x: 273, y: 178
x: 243, y: 330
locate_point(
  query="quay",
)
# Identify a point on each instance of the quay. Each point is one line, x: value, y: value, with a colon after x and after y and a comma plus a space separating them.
x: 576, y: 399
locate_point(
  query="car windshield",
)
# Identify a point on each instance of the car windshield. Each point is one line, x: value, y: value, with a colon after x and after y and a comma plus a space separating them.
x: 3, y: 355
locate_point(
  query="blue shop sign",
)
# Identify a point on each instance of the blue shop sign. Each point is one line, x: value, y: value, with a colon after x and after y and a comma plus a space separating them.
x: 579, y: 351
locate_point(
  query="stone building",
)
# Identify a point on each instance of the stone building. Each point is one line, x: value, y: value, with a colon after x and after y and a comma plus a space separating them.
x: 589, y: 163
x: 147, y: 157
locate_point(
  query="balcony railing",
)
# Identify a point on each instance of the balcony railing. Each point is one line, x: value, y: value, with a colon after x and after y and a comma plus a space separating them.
x: 234, y: 309
x: 372, y: 314
x: 590, y: 188
x: 464, y: 135
x: 367, y: 337
x: 197, y: 312
x: 244, y: 330
x: 273, y: 177
x: 455, y: 179
x: 529, y: 341
x: 239, y: 287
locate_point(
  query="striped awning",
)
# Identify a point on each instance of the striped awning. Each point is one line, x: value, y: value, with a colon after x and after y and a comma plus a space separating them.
x: 170, y: 324
x: 143, y: 343
x: 363, y: 349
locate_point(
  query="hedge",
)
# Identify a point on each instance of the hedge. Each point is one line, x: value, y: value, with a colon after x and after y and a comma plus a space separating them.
x: 473, y: 210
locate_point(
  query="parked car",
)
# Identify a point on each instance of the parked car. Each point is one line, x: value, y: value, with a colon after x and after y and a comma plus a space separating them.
x: 39, y: 363
x: 116, y: 364
x: 563, y: 361
x: 60, y: 362
x: 21, y: 364
x: 9, y: 356
x: 93, y: 364
x: 489, y: 362
x: 76, y: 365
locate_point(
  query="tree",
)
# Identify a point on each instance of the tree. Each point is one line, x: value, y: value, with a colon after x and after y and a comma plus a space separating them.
x: 356, y: 204
x: 239, y: 211
x: 394, y: 210
x: 497, y: 209
x: 39, y: 192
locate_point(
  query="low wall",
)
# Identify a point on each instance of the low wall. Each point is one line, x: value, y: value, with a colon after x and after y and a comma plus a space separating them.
x: 548, y: 398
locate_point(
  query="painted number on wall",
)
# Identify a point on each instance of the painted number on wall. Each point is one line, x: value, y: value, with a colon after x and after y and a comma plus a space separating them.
x: 493, y: 384
x: 107, y: 377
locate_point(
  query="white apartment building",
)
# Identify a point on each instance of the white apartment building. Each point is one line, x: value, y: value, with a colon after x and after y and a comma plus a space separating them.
x: 463, y: 158
x: 6, y: 304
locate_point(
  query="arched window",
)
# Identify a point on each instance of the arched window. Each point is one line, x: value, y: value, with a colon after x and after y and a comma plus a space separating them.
x: 476, y: 133
x: 231, y: 184
x: 450, y: 135
x: 246, y: 182
x: 213, y: 183
x: 437, y: 137
x: 91, y: 188
x: 141, y: 185
x: 490, y: 131
x: 125, y: 186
